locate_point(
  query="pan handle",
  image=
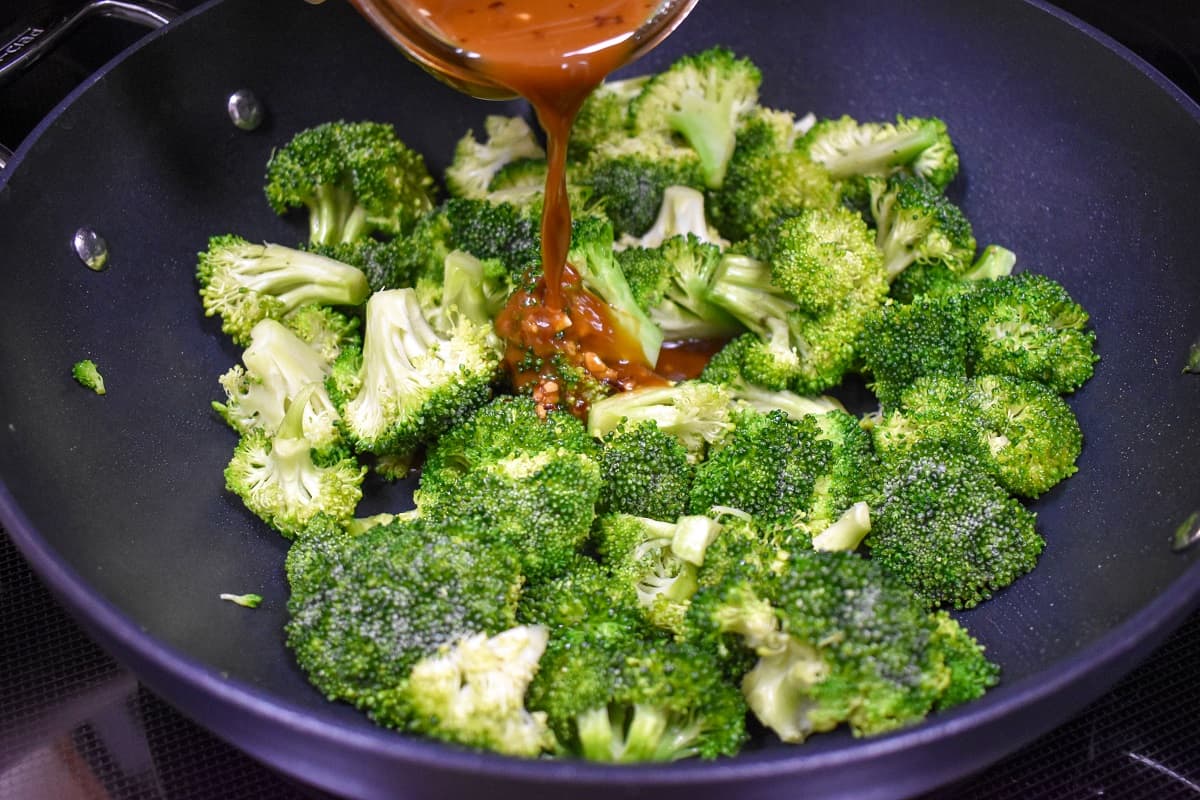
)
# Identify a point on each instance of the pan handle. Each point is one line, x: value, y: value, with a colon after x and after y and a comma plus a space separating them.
x: 34, y: 39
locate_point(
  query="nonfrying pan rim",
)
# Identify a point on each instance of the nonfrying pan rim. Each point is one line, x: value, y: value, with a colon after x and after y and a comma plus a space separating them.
x: 1116, y: 648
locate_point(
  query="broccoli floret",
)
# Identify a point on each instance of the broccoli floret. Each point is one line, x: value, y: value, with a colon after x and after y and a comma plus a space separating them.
x: 244, y: 283
x: 591, y: 255
x: 490, y: 230
x: 854, y: 646
x: 967, y: 672
x: 612, y: 695
x: 87, y: 375
x: 542, y: 505
x: 276, y: 477
x: 809, y: 304
x: 475, y: 163
x: 646, y: 473
x: 278, y: 367
x: 915, y: 223
x: 946, y: 528
x: 681, y: 214
x: 243, y: 600
x: 766, y: 467
x: 583, y: 596
x: 324, y: 330
x: 724, y: 369
x: 935, y: 279
x: 471, y: 290
x: 701, y: 97
x: 1023, y: 431
x: 847, y: 482
x: 672, y: 284
x: 900, y: 343
x: 604, y: 116
x: 409, y: 384
x: 849, y: 149
x: 1028, y: 326
x: 628, y: 179
x: 768, y: 179
x: 354, y: 177
x: 366, y: 609
x: 697, y: 414
x: 505, y: 427
x: 473, y: 692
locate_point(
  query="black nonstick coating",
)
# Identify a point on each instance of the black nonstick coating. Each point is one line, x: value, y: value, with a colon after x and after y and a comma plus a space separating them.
x: 1075, y: 155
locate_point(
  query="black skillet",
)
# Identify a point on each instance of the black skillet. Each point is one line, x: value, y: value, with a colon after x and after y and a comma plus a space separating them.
x: 1076, y: 155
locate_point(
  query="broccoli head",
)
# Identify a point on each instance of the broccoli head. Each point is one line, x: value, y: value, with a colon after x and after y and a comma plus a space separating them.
x: 850, y: 149
x: 900, y: 343
x: 646, y: 473
x: 915, y: 223
x: 475, y: 163
x: 697, y: 414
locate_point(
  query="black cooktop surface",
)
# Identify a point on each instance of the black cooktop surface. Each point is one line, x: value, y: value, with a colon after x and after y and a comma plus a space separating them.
x: 74, y: 724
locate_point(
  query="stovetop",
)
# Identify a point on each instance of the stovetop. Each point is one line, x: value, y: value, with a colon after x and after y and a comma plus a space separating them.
x: 75, y: 724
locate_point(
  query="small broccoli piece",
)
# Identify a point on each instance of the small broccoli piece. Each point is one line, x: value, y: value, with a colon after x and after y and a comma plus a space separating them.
x: 279, y: 366
x: 542, y: 505
x: 409, y: 384
x: 672, y: 284
x: 968, y: 673
x: 847, y: 482
x: 1023, y: 431
x: 809, y: 304
x: 472, y: 289
x: 900, y: 343
x: 724, y: 369
x: 915, y: 223
x: 476, y: 163
x: 500, y: 231
x: 935, y: 279
x: 1028, y: 326
x: 646, y: 473
x: 858, y: 648
x: 614, y: 696
x: 505, y: 427
x: 701, y: 97
x: 275, y: 476
x: 847, y: 532
x: 591, y: 255
x: 244, y: 283
x: 604, y: 116
x: 323, y: 329
x: 766, y: 467
x: 681, y: 214
x: 946, y: 528
x: 768, y: 179
x: 849, y: 149
x: 583, y: 596
x: 697, y: 414
x: 366, y: 609
x: 473, y: 692
x: 628, y: 178
x: 353, y: 177
x: 87, y: 375
x: 243, y: 600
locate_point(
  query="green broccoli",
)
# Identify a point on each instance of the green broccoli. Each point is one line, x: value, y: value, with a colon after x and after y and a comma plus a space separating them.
x: 324, y: 330
x: 244, y: 283
x: 849, y: 149
x: 681, y: 214
x: 944, y: 526
x: 87, y: 375
x: 1028, y: 326
x: 900, y: 343
x: 838, y: 514
x: 603, y: 117
x: 473, y: 692
x: 582, y: 596
x: 646, y: 473
x: 541, y: 504
x: 697, y: 414
x: 767, y: 467
x: 409, y: 384
x: 276, y: 477
x: 278, y: 367
x: 915, y: 223
x: 935, y: 279
x: 243, y: 600
x: 1024, y: 432
x: 475, y: 164
x: 494, y: 231
x: 353, y: 177
x: 725, y: 370
x: 520, y: 183
x: 613, y: 695
x: 366, y: 609
x: 768, y: 179
x: 672, y: 284
x: 628, y: 178
x: 701, y: 97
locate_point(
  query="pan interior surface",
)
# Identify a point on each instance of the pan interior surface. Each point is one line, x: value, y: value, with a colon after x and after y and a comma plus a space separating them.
x: 1072, y: 157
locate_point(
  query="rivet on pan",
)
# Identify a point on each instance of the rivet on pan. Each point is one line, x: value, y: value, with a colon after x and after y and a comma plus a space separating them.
x: 245, y: 109
x: 1187, y: 534
x: 91, y: 248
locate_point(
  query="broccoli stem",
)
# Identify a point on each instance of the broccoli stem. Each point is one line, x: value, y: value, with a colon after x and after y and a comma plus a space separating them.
x: 887, y: 152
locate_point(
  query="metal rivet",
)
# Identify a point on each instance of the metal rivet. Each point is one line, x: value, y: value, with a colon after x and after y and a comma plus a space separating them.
x: 91, y: 248
x: 1187, y: 534
x: 245, y: 109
